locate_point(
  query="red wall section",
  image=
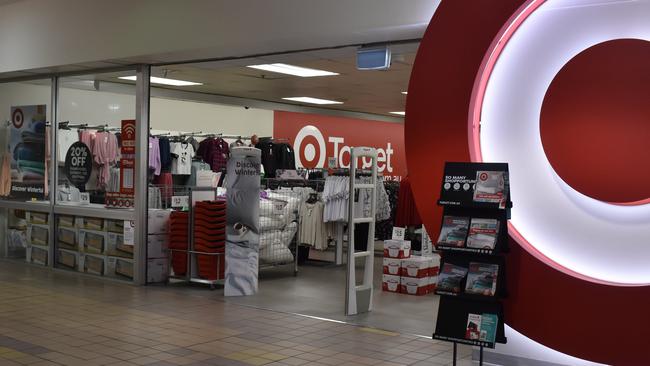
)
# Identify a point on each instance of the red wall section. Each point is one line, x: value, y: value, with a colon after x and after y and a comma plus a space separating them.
x: 595, y: 121
x: 339, y: 133
x: 597, y: 322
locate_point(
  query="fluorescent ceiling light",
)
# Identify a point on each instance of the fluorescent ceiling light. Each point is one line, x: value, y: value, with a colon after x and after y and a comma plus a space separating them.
x: 312, y: 100
x: 293, y: 70
x: 163, y: 81
x: 405, y: 93
x: 399, y: 113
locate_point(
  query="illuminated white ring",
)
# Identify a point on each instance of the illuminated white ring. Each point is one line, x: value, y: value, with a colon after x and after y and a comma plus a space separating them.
x: 590, y: 239
x: 310, y: 130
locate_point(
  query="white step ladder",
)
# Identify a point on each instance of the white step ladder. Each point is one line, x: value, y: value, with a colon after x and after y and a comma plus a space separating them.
x: 358, y: 298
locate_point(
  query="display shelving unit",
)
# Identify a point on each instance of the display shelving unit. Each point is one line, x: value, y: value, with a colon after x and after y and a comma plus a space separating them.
x: 456, y: 198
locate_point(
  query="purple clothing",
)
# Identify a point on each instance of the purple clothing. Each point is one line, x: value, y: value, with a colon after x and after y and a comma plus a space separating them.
x: 154, y: 155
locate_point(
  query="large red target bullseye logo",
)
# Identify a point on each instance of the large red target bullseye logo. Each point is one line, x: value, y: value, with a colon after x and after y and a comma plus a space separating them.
x: 595, y: 316
x: 595, y: 122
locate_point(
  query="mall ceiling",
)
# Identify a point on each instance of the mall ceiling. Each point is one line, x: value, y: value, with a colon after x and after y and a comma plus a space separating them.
x: 376, y: 92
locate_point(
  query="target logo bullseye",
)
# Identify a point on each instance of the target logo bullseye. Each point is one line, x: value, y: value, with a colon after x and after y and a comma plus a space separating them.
x: 311, y: 151
x: 310, y: 148
x: 18, y: 118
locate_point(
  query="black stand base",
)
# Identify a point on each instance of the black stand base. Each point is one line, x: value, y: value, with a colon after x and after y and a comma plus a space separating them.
x: 480, y: 357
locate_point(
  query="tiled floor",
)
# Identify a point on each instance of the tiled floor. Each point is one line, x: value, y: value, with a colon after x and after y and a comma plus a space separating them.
x: 52, y: 318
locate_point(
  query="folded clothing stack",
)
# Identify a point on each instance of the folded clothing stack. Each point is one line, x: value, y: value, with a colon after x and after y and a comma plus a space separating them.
x: 29, y: 154
x: 210, y: 237
x: 178, y: 239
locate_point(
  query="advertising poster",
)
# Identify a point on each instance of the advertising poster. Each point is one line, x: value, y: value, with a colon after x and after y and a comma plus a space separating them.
x: 242, y: 230
x: 27, y: 151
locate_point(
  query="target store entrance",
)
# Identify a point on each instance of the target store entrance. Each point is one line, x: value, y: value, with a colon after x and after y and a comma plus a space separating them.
x: 306, y: 114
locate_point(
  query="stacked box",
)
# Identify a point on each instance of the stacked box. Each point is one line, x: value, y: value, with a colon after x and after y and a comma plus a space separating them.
x: 36, y: 255
x: 390, y: 283
x: 419, y: 274
x: 39, y: 218
x: 92, y: 264
x: 394, y: 252
x: 91, y: 223
x: 67, y: 259
x: 397, y: 249
x: 38, y: 234
x: 92, y: 241
x: 115, y: 246
x: 67, y: 238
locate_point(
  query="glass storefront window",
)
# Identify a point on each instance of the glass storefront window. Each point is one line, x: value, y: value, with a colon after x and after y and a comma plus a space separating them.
x: 92, y: 110
x: 25, y: 113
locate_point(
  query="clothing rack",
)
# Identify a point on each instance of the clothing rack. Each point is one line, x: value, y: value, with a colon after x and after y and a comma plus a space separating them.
x: 85, y: 126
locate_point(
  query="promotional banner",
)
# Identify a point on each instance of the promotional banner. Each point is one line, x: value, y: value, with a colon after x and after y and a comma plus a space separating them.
x: 27, y: 151
x: 78, y: 165
x: 319, y: 141
x: 242, y: 230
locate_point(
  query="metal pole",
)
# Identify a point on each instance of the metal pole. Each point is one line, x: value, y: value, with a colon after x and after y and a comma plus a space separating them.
x: 53, y: 174
x: 454, y: 357
x: 142, y: 90
x: 480, y: 357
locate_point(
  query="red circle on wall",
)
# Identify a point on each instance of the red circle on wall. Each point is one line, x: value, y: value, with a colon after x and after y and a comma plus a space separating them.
x: 589, y: 320
x: 595, y: 121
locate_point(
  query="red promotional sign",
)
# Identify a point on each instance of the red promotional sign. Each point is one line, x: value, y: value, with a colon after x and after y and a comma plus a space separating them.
x: 315, y: 138
x: 127, y: 163
x: 128, y: 136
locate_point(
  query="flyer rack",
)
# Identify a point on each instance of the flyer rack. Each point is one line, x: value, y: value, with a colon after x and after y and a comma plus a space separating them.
x: 458, y: 199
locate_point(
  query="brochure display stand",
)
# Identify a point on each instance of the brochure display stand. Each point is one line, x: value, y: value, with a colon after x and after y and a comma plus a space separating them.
x: 472, y: 241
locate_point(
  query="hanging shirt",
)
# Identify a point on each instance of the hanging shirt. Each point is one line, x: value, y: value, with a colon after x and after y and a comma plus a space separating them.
x: 182, y: 158
x: 105, y: 153
x: 5, y: 176
x: 214, y: 152
x: 165, y: 154
x: 154, y: 155
x: 87, y: 137
x: 312, y: 228
x: 65, y: 139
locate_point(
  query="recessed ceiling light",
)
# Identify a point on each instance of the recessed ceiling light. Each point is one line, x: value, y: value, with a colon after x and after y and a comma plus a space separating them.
x: 292, y: 70
x: 163, y: 81
x: 405, y: 93
x: 312, y: 100
x: 399, y: 113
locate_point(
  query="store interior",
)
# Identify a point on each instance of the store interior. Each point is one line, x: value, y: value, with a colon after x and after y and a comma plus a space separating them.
x: 233, y: 102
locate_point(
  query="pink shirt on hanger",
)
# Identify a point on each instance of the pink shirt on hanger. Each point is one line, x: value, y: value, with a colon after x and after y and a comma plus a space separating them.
x: 104, y: 152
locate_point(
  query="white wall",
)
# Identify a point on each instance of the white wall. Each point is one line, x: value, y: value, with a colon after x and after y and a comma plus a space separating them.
x: 98, y: 107
x: 46, y: 33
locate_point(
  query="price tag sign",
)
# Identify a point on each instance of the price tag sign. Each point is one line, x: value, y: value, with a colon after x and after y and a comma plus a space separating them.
x: 84, y: 198
x: 180, y: 201
x: 129, y: 232
x: 427, y: 245
x: 278, y: 207
x: 398, y: 233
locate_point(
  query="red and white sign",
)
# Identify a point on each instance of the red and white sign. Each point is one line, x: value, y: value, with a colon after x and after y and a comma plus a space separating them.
x: 125, y: 197
x: 315, y: 138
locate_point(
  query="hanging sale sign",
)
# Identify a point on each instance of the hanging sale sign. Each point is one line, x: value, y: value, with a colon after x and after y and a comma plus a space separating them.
x: 316, y: 138
x: 78, y: 164
x: 125, y: 197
